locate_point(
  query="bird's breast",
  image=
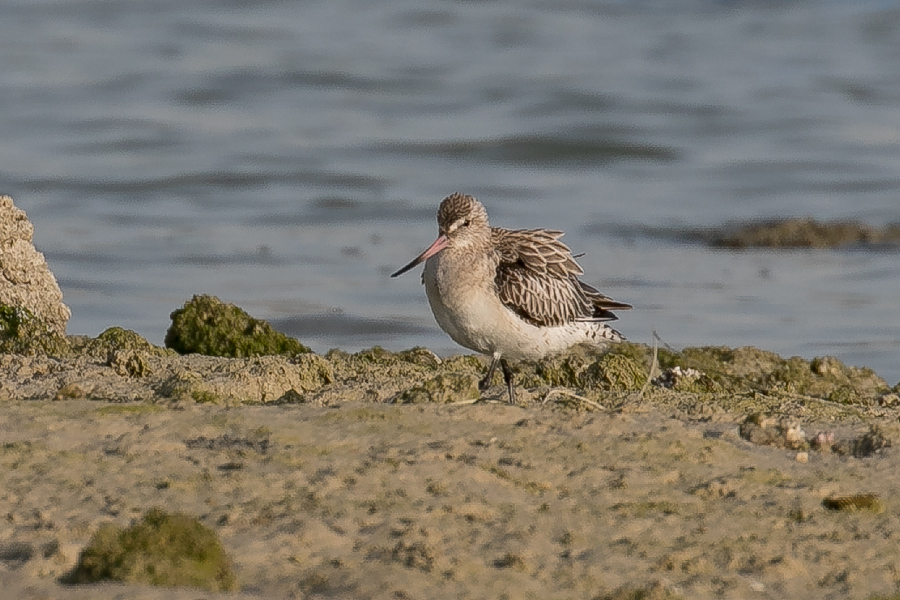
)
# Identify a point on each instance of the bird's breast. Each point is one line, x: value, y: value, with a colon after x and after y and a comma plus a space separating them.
x: 464, y: 300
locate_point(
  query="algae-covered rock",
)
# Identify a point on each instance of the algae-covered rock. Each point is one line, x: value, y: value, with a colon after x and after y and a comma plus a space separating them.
x: 258, y: 380
x: 752, y: 369
x: 129, y: 363
x: 806, y: 233
x: 615, y: 368
x: 730, y: 367
x: 617, y: 372
x: 21, y: 332
x: 420, y: 356
x: 118, y: 339
x: 445, y: 388
x: 378, y: 363
x: 162, y: 549
x: 566, y: 369
x: 206, y: 325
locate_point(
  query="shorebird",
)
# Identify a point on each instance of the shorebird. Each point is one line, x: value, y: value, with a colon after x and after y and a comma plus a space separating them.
x: 509, y: 293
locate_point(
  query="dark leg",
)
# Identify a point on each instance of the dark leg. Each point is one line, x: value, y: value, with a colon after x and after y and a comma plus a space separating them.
x: 485, y: 383
x: 508, y: 377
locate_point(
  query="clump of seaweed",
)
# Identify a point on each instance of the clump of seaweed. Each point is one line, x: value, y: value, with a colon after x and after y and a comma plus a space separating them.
x: 22, y: 332
x: 416, y: 364
x: 566, y: 369
x: 750, y: 369
x: 117, y: 339
x: 162, y: 549
x: 206, y: 325
x: 442, y: 389
x: 617, y: 372
x: 621, y: 367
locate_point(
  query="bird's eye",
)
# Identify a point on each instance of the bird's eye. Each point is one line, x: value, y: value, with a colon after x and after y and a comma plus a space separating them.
x: 466, y: 223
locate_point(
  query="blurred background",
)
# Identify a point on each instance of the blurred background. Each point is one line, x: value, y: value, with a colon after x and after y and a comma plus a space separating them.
x: 288, y: 156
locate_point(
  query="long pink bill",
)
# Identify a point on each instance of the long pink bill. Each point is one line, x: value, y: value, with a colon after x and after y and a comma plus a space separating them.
x: 438, y: 245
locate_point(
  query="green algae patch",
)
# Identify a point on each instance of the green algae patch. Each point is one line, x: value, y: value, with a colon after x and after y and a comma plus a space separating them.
x: 617, y: 372
x: 703, y: 380
x: 257, y: 380
x: 584, y: 367
x: 566, y: 370
x: 376, y: 356
x: 751, y: 369
x: 118, y: 339
x: 442, y: 389
x: 463, y: 362
x: 206, y: 325
x: 22, y: 332
x: 419, y: 356
x: 641, y: 353
x: 377, y: 364
x: 162, y: 549
x: 372, y: 361
x: 733, y: 369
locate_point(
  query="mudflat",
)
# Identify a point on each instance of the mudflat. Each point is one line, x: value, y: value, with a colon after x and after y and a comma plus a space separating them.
x: 665, y: 493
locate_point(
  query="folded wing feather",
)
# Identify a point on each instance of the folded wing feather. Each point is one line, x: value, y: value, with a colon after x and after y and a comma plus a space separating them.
x: 537, y: 278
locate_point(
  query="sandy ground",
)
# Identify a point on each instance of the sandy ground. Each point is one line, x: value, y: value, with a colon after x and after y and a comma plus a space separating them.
x: 369, y: 500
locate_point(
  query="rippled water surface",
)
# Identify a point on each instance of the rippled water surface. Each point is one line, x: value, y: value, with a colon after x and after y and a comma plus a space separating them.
x: 288, y: 156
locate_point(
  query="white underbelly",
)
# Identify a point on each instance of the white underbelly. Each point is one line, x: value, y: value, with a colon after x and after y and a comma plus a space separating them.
x: 473, y: 316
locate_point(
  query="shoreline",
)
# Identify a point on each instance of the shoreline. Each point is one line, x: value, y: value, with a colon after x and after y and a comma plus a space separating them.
x: 376, y: 475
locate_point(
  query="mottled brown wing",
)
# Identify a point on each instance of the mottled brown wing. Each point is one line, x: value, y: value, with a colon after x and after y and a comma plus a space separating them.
x: 537, y: 277
x: 541, y: 299
x: 538, y: 250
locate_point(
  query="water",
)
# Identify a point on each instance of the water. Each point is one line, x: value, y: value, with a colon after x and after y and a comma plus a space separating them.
x: 288, y: 156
